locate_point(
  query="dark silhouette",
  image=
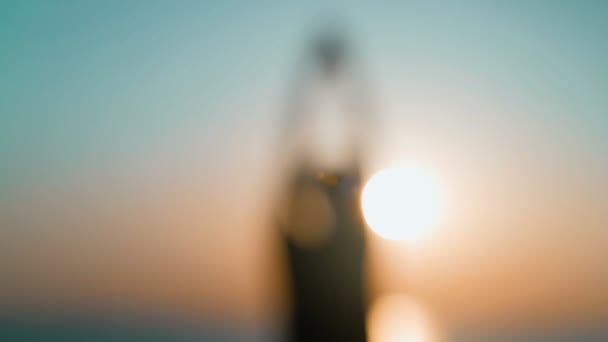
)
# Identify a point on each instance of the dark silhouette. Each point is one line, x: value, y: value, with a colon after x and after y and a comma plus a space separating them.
x: 322, y: 225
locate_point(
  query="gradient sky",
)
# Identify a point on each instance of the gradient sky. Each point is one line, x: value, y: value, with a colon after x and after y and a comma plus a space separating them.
x: 136, y: 132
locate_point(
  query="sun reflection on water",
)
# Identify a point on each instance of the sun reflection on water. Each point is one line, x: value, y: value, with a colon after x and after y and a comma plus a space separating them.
x: 399, y: 318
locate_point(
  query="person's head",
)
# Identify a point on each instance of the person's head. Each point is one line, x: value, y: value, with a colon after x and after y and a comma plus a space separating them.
x: 331, y: 50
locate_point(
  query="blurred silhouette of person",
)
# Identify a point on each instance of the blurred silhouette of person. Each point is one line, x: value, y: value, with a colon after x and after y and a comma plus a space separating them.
x: 320, y: 221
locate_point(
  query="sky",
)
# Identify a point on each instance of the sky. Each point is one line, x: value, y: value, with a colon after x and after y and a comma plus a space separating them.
x: 137, y: 137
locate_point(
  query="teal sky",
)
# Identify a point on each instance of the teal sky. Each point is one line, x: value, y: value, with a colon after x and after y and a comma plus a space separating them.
x: 84, y: 80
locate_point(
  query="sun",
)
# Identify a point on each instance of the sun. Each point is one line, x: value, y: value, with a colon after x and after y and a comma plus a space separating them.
x: 402, y: 203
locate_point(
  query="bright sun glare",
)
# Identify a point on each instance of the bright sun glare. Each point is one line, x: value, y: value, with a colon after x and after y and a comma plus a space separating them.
x: 402, y: 203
